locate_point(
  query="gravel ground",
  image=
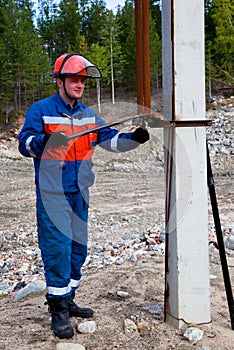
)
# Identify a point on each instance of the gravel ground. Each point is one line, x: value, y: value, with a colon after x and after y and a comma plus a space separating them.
x: 126, y: 214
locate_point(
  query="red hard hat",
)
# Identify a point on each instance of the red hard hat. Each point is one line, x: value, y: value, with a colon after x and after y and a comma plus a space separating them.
x: 74, y: 64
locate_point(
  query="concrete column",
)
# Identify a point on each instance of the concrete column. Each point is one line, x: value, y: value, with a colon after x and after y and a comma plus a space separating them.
x: 187, y: 291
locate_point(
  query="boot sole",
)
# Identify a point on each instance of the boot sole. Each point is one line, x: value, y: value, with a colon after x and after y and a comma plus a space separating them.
x: 64, y: 336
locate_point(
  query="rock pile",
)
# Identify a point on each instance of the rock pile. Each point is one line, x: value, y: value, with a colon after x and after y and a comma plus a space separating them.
x: 21, y: 265
x: 220, y: 135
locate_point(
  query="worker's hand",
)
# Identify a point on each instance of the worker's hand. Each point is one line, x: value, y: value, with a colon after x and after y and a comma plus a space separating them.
x: 55, y: 139
x: 140, y: 135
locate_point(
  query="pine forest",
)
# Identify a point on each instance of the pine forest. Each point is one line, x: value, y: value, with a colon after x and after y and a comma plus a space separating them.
x: 33, y: 35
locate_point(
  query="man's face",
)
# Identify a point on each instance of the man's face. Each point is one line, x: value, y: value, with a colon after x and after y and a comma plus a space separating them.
x: 74, y: 87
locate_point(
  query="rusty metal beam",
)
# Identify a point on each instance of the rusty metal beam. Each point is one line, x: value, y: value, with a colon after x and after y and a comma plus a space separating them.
x: 146, y: 53
x: 142, y: 55
x: 139, y: 55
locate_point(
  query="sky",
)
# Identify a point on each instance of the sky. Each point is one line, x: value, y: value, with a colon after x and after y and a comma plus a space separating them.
x: 112, y: 4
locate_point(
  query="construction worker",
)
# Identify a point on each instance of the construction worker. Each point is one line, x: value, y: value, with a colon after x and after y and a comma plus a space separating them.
x: 63, y: 175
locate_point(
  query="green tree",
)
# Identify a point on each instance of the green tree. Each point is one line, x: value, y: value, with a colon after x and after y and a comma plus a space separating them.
x: 209, y: 23
x: 96, y: 20
x: 155, y: 56
x: 84, y: 13
x: 23, y: 59
x: 83, y: 47
x: 223, y: 14
x: 67, y: 26
x: 110, y: 40
x: 155, y: 11
x: 47, y: 27
x: 219, y: 44
x: 126, y: 33
x: 97, y: 55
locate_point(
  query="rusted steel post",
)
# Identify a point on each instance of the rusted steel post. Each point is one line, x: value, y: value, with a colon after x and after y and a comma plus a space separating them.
x: 139, y: 55
x: 142, y: 55
x: 146, y: 53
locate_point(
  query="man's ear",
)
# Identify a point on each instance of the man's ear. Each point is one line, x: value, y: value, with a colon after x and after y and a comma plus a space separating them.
x: 59, y: 82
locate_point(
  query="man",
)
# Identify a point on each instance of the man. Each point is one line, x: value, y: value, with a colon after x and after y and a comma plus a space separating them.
x: 63, y: 174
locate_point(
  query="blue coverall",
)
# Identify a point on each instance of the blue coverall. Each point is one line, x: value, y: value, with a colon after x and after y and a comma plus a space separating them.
x: 62, y: 177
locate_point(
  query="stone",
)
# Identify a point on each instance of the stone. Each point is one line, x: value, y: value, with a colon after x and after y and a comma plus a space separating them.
x: 69, y: 346
x: 229, y: 242
x: 122, y: 294
x: 33, y: 287
x: 19, y: 286
x: 134, y: 258
x: 155, y: 309
x: 193, y: 334
x: 87, y: 327
x: 130, y: 327
x: 143, y: 326
x: 160, y: 248
x: 5, y: 289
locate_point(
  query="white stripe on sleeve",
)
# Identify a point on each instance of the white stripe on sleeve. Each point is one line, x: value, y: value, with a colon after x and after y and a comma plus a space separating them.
x: 27, y: 145
x: 114, y: 142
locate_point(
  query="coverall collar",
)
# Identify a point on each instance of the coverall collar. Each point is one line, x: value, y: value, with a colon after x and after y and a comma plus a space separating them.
x: 64, y: 104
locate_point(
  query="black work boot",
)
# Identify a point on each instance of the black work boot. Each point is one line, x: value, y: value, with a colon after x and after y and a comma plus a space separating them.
x: 60, y: 323
x: 74, y: 310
